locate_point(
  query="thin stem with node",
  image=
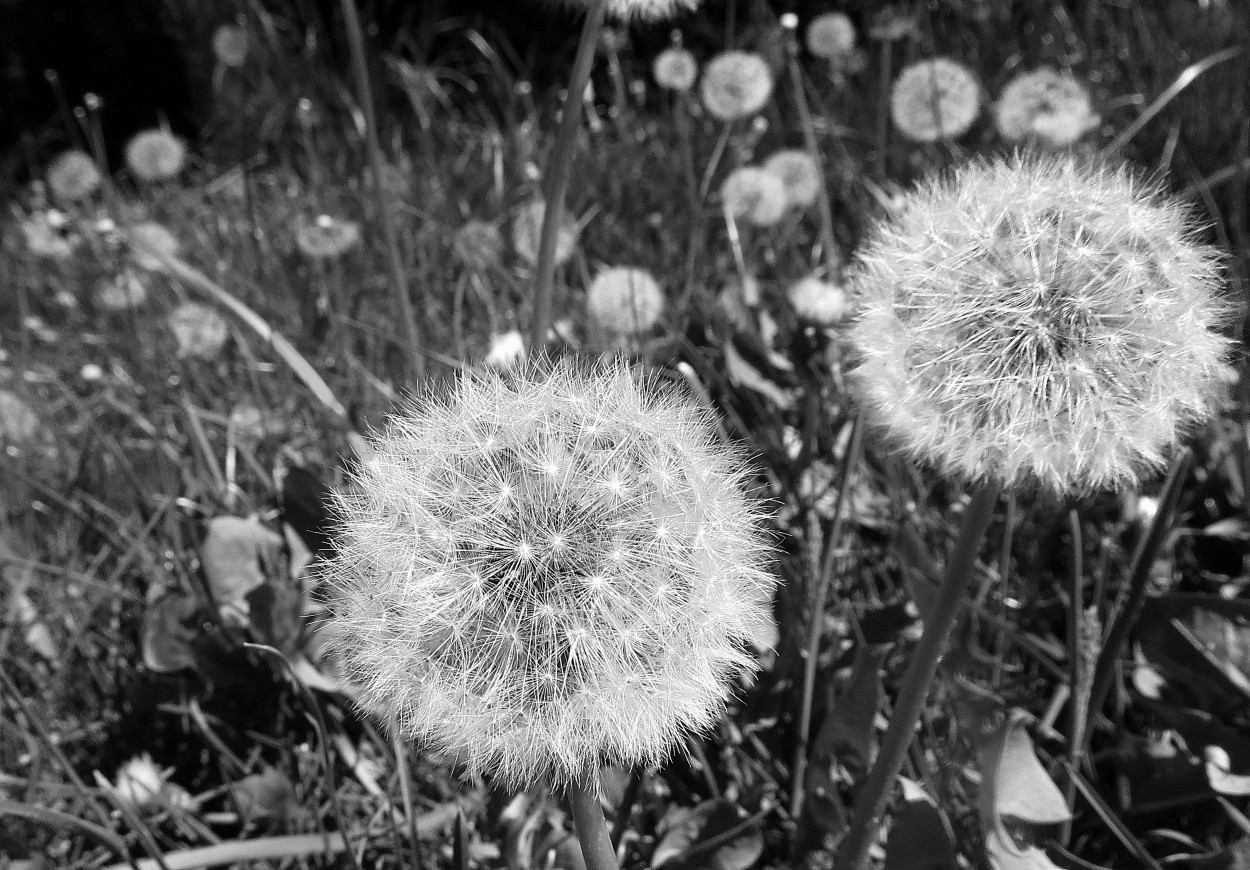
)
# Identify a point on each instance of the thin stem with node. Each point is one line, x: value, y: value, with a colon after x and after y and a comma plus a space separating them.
x: 364, y: 93
x: 871, y: 801
x: 592, y: 830
x: 558, y: 171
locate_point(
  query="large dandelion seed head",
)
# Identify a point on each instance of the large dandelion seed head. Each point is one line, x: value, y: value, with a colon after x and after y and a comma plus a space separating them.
x: 736, y: 84
x: 527, y: 230
x: 676, y: 69
x: 799, y: 173
x: 625, y: 301
x: 640, y: 10
x: 73, y: 175
x: 935, y: 99
x: 755, y: 195
x: 548, y: 570
x: 1047, y: 106
x: 1038, y: 320
x: 155, y: 155
x: 831, y: 36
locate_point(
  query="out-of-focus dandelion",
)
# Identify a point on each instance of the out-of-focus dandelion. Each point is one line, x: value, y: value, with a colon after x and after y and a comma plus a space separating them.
x: 507, y: 350
x: 676, y: 69
x: 73, y: 175
x: 91, y: 372
x: 799, y: 173
x: 155, y: 155
x: 327, y: 237
x: 138, y: 783
x: 477, y: 245
x: 121, y: 292
x: 755, y: 194
x: 820, y: 302
x: 247, y: 421
x: 18, y: 421
x: 736, y: 84
x: 198, y: 329
x: 1046, y: 106
x: 45, y: 240
x: 583, y: 579
x: 230, y: 45
x: 527, y: 229
x: 831, y: 36
x: 642, y: 10
x: 1039, y: 319
x: 150, y: 235
x: 935, y: 99
x: 625, y: 301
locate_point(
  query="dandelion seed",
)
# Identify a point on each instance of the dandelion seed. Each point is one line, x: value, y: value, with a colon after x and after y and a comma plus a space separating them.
x: 799, y: 173
x: 230, y: 45
x: 155, y: 155
x: 754, y: 194
x: 935, y: 99
x: 513, y: 656
x: 154, y: 236
x: 477, y: 245
x: 72, y: 176
x: 1050, y: 107
x: 624, y: 301
x: 831, y: 36
x: 819, y: 302
x: 18, y: 421
x: 506, y: 350
x: 122, y: 292
x: 327, y: 237
x: 527, y: 228
x: 675, y: 69
x: 199, y: 330
x: 736, y: 84
x: 1039, y: 320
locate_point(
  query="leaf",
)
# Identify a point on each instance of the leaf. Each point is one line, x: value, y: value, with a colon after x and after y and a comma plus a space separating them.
x: 684, y: 829
x: 170, y: 625
x: 847, y: 732
x: 1012, y: 850
x: 232, y: 554
x: 265, y: 796
x: 1015, y: 783
x: 920, y: 837
x: 1220, y: 774
x: 743, y: 373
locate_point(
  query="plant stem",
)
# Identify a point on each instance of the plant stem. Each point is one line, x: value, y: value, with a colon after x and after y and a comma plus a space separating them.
x: 947, y: 604
x: 592, y: 831
x: 364, y: 93
x: 559, y: 170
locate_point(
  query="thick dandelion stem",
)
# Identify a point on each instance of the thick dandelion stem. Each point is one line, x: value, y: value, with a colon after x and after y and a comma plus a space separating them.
x: 558, y: 171
x: 592, y: 830
x: 947, y: 604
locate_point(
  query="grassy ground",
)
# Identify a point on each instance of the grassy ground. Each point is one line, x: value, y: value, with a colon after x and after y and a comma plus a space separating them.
x: 121, y: 638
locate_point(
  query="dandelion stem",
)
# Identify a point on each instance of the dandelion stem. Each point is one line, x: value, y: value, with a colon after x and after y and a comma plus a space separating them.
x: 559, y: 170
x: 947, y: 604
x: 399, y: 286
x: 592, y: 831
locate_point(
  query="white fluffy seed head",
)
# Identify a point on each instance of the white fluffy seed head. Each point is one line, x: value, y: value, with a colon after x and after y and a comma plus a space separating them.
x: 831, y: 36
x: 150, y: 235
x: 754, y: 194
x: 73, y: 175
x: 1045, y: 106
x: 477, y: 245
x: 527, y: 229
x: 625, y: 301
x: 1039, y: 320
x: 122, y: 291
x: 326, y: 237
x: 736, y: 84
x: 155, y: 155
x: 548, y: 570
x: 639, y: 10
x: 800, y: 174
x: 199, y: 330
x: 819, y: 302
x: 507, y: 350
x: 230, y: 45
x: 676, y: 69
x: 935, y: 99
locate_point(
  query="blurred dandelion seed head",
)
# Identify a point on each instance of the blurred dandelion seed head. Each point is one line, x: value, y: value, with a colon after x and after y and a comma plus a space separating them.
x: 736, y: 84
x: 546, y: 570
x: 755, y: 194
x: 935, y: 99
x: 1047, y: 106
x: 230, y: 45
x: 122, y: 292
x: 1039, y: 320
x: 73, y: 175
x: 155, y: 155
x: 676, y: 69
x: 327, y: 237
x: 154, y: 236
x: 199, y: 330
x: 624, y: 301
x: 799, y: 173
x: 507, y: 350
x: 527, y: 229
x: 18, y: 421
x: 831, y: 36
x: 477, y: 245
x: 44, y: 239
x: 640, y: 10
x: 138, y: 782
x: 822, y: 303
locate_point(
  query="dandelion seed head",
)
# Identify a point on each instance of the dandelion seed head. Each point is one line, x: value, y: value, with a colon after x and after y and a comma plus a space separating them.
x: 800, y: 174
x: 625, y: 301
x: 154, y: 236
x: 736, y: 84
x: 122, y: 291
x: 527, y: 229
x: 73, y: 175
x: 1046, y: 106
x: 155, y: 155
x: 676, y: 69
x: 754, y: 194
x: 44, y: 238
x: 327, y: 237
x: 199, y: 330
x: 819, y: 302
x: 230, y: 45
x: 138, y: 782
x: 18, y: 421
x: 935, y: 99
x: 1040, y: 321
x: 526, y: 636
x: 831, y: 36
x: 477, y: 245
x: 640, y: 10
x: 506, y: 350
